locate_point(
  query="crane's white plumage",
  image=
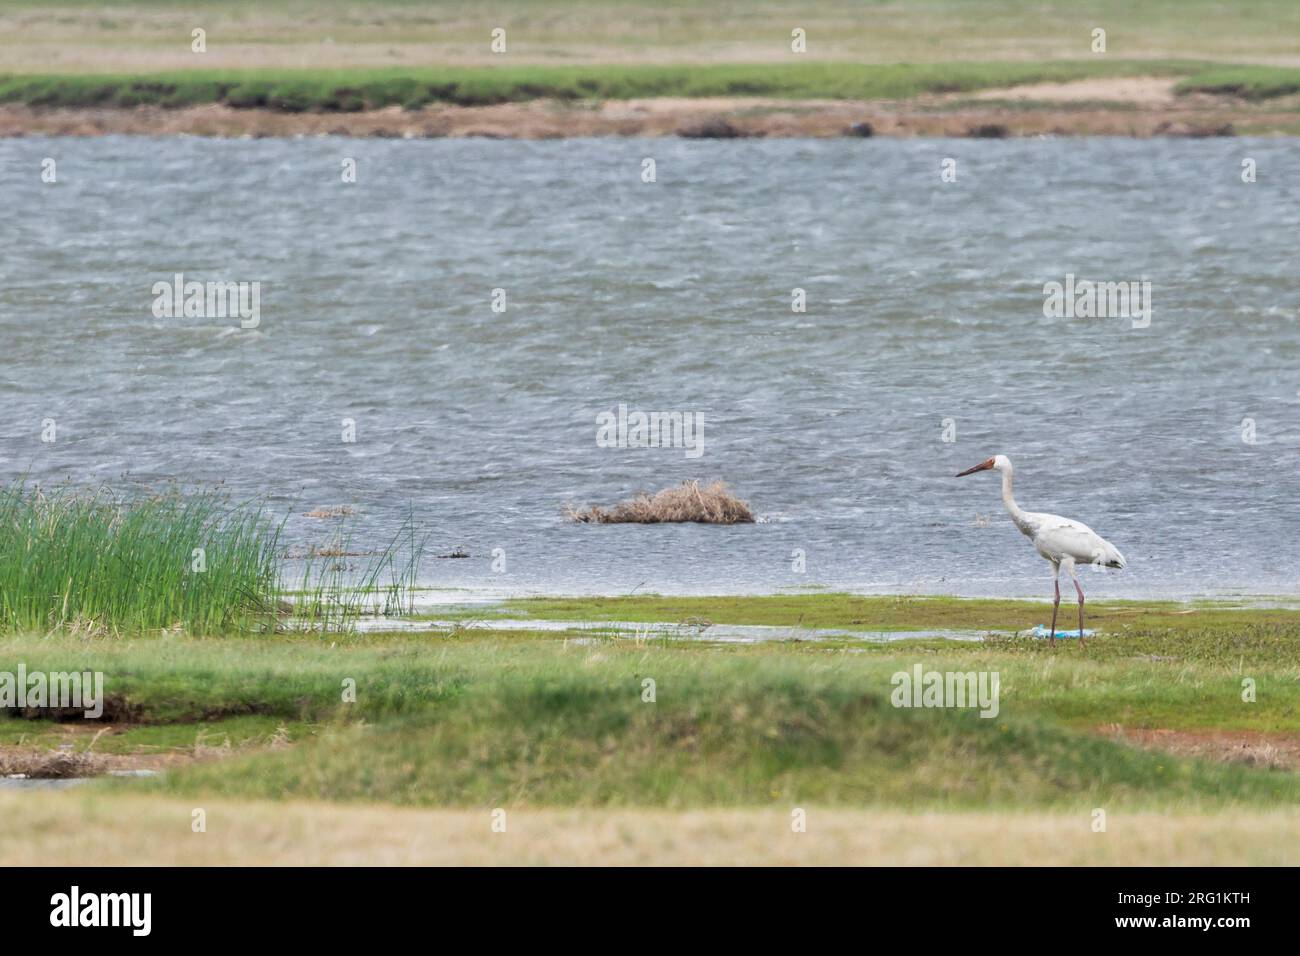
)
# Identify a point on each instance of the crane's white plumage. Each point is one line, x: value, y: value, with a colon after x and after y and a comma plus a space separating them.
x: 1062, y: 541
x: 1057, y: 538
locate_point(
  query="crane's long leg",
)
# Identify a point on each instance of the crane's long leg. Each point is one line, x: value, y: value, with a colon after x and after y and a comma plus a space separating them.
x: 1056, y: 584
x: 1074, y: 577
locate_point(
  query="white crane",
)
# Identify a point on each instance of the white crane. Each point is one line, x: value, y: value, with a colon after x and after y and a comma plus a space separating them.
x: 1063, y: 542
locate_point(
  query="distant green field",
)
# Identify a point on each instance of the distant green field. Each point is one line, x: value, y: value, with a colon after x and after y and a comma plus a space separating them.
x: 332, y: 55
x: 351, y: 91
x: 1251, y: 82
x: 151, y: 35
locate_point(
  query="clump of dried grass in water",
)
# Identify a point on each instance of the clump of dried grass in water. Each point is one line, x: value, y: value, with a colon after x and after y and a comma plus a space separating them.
x: 339, y: 511
x: 714, y: 504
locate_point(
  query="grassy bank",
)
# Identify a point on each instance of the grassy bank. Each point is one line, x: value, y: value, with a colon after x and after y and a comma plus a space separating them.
x: 363, y: 89
x: 525, y: 720
x: 1148, y: 724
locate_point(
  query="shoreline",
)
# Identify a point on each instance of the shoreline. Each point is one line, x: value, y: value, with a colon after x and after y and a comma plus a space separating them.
x: 440, y: 596
x: 1130, y: 98
x: 984, y: 117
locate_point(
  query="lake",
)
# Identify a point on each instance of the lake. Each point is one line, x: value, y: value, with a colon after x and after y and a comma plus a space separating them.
x: 923, y: 349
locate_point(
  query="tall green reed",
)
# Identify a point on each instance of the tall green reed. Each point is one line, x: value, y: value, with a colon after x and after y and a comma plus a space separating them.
x: 193, y: 561
x: 334, y: 593
x: 145, y: 561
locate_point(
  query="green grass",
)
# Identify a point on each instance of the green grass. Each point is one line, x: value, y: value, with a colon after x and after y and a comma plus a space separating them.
x: 361, y: 89
x: 77, y: 559
x: 912, y: 613
x: 192, y: 562
x: 540, y: 721
x: 538, y: 724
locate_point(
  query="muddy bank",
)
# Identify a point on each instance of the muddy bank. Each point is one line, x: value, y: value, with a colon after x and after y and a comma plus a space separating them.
x: 1253, y: 748
x: 987, y: 116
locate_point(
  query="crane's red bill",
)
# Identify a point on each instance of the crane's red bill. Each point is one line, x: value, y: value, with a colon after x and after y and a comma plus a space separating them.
x: 980, y: 467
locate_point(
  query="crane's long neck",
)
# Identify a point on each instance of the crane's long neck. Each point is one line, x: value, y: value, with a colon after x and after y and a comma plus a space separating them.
x: 1013, y: 509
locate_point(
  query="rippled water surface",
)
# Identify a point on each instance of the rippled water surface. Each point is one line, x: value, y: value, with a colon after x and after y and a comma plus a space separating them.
x: 924, y: 304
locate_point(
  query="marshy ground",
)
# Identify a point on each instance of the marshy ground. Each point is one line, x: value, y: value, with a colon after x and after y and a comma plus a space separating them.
x: 1149, y: 724
x: 1178, y: 723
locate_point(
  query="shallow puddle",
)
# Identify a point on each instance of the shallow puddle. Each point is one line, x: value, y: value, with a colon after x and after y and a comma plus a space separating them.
x: 27, y: 783
x: 713, y: 633
x: 62, y: 783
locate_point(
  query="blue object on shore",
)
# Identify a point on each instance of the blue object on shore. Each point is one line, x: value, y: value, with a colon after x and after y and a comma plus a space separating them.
x: 1041, y: 631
